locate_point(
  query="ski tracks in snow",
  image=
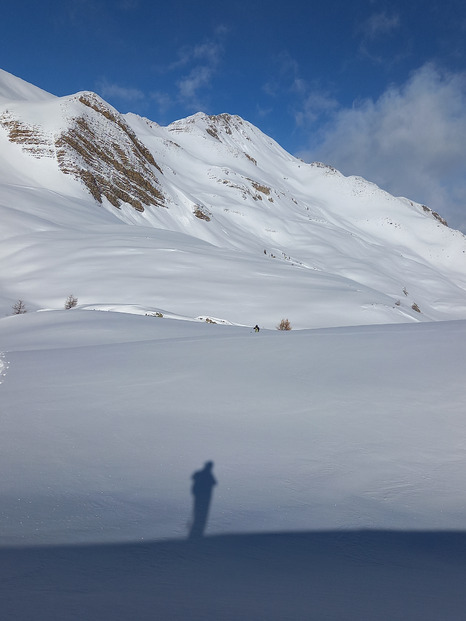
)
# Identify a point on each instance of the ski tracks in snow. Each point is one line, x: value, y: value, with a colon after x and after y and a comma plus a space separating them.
x: 4, y: 365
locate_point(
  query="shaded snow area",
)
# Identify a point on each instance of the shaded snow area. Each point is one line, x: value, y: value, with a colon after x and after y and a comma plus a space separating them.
x: 333, y: 575
x: 339, y: 455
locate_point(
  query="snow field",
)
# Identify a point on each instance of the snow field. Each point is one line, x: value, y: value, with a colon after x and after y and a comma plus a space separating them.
x: 342, y: 428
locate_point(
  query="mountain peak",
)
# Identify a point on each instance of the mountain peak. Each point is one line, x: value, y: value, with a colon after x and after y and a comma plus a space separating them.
x: 102, y: 150
x: 218, y: 126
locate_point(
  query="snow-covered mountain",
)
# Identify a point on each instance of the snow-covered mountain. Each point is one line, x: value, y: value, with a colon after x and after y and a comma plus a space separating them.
x: 339, y: 452
x: 205, y: 218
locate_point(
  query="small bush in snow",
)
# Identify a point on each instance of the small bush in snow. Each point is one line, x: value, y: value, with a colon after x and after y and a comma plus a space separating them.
x: 284, y: 325
x: 71, y: 302
x: 19, y: 308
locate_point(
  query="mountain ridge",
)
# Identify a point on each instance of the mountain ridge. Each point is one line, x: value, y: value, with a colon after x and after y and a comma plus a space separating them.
x: 73, y: 164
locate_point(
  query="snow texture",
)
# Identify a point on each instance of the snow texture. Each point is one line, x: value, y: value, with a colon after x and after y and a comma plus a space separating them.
x: 339, y: 447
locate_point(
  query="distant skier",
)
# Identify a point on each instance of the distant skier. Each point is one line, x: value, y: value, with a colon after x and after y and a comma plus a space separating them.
x: 203, y: 484
x: 256, y: 328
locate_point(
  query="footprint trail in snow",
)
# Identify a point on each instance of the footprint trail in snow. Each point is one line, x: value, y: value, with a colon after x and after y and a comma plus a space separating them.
x: 4, y: 364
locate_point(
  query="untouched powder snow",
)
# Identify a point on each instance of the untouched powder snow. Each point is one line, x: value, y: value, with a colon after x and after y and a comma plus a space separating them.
x: 339, y: 455
x: 15, y: 89
x: 338, y: 428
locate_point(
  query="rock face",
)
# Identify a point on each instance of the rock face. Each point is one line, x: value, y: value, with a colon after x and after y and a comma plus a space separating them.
x: 97, y: 147
x: 106, y: 154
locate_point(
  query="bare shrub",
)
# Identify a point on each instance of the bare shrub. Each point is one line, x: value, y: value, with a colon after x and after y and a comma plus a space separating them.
x: 284, y: 325
x: 19, y: 308
x: 71, y: 302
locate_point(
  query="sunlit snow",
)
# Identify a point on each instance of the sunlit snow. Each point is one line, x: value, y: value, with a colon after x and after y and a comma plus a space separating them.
x: 339, y: 446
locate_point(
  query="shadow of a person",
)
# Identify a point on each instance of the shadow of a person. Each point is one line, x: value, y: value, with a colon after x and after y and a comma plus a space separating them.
x: 203, y: 484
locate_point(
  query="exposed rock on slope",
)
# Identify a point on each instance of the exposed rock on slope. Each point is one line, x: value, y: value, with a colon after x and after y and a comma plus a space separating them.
x: 247, y: 232
x: 97, y: 147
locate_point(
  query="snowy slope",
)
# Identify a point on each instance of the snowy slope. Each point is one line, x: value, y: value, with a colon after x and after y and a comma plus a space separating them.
x: 207, y: 217
x: 15, y: 89
x: 339, y: 455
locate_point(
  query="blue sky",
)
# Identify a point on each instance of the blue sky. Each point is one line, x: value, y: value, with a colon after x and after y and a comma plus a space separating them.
x: 372, y: 87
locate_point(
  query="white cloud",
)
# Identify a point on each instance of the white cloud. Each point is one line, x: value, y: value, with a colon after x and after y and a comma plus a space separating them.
x: 314, y: 105
x: 376, y: 30
x: 379, y: 24
x: 204, y: 60
x: 189, y: 86
x: 163, y: 101
x: 124, y: 93
x: 410, y: 141
x: 197, y: 65
x: 310, y: 101
x: 285, y: 77
x: 208, y: 52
